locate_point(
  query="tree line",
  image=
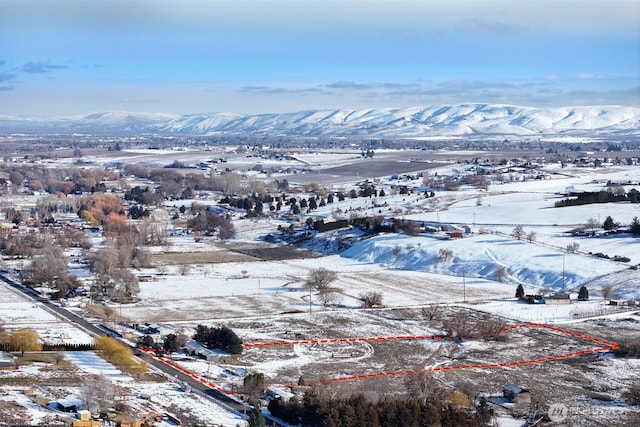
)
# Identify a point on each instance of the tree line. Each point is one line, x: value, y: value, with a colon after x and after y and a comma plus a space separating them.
x: 588, y: 198
x: 314, y: 411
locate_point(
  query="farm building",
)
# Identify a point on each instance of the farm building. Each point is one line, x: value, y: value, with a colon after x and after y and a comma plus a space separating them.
x: 195, y: 348
x: 7, y: 361
x: 559, y: 298
x: 69, y: 404
x: 516, y: 394
x: 279, y: 394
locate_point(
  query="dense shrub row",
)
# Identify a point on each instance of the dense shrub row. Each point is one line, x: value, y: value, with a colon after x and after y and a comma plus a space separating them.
x: 599, y: 197
x: 357, y: 411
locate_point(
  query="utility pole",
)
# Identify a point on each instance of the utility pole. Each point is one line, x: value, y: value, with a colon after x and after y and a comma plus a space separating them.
x: 464, y: 286
x: 563, y: 288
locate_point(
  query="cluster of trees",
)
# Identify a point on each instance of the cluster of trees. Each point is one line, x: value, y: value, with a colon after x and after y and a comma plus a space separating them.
x: 209, y: 223
x: 19, y: 340
x: 50, y: 268
x: 118, y: 353
x: 171, y: 343
x: 518, y: 233
x: 254, y: 204
x: 222, y: 338
x: 101, y: 209
x: 143, y: 196
x: 59, y: 180
x: 610, y: 224
x: 370, y: 299
x: 110, y: 266
x: 18, y: 243
x: 632, y: 196
x: 315, y: 411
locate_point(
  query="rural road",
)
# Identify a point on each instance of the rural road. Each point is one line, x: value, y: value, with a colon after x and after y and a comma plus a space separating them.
x: 226, y: 401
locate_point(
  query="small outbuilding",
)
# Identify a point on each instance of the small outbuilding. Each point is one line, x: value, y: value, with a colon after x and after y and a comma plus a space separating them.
x: 516, y: 394
x: 7, y: 361
x: 69, y: 404
x: 279, y: 394
x: 195, y: 348
x: 558, y: 298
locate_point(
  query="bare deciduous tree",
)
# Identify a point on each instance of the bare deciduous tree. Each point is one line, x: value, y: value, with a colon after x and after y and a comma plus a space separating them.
x: 518, y: 232
x: 422, y: 385
x: 397, y: 251
x: 607, y: 291
x: 444, y: 255
x: 58, y: 356
x: 371, y: 299
x: 97, y: 391
x: 592, y: 224
x: 411, y: 228
x: 48, y: 267
x: 329, y: 297
x: 458, y: 325
x: 185, y: 269
x: 501, y: 273
x: 320, y: 278
x: 432, y: 312
x: 573, y: 247
x: 532, y: 236
x: 153, y: 232
x: 492, y: 328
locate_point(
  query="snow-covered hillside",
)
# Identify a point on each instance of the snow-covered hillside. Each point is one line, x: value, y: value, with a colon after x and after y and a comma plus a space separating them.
x: 454, y: 120
x: 414, y: 122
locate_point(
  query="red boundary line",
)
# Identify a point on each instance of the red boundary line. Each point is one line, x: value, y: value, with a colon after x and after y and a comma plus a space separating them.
x: 606, y: 346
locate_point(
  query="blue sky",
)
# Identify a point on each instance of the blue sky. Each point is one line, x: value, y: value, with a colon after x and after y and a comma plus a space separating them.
x: 74, y: 57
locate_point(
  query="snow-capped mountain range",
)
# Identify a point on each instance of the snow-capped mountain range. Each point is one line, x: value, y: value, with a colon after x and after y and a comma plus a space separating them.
x: 434, y: 121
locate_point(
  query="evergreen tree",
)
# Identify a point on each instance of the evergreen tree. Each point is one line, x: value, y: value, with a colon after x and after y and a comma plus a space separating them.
x: 483, y: 411
x: 171, y: 343
x: 256, y: 419
x: 610, y: 224
x: 519, y: 291
x: 583, y: 294
x: 147, y: 341
x: 634, y: 228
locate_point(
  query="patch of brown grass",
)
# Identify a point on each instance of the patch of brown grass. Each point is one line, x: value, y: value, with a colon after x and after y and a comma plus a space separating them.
x: 188, y: 258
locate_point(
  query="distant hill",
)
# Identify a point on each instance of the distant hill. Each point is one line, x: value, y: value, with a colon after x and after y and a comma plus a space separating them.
x: 414, y: 122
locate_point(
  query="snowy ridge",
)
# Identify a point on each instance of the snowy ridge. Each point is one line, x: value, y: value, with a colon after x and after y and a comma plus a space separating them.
x: 414, y: 122
x: 454, y: 120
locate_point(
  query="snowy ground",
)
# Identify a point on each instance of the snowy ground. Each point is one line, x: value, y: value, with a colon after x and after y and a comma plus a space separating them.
x: 266, y: 300
x: 157, y: 396
x: 17, y: 311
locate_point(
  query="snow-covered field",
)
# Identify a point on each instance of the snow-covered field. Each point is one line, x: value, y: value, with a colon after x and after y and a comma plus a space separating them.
x: 16, y: 312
